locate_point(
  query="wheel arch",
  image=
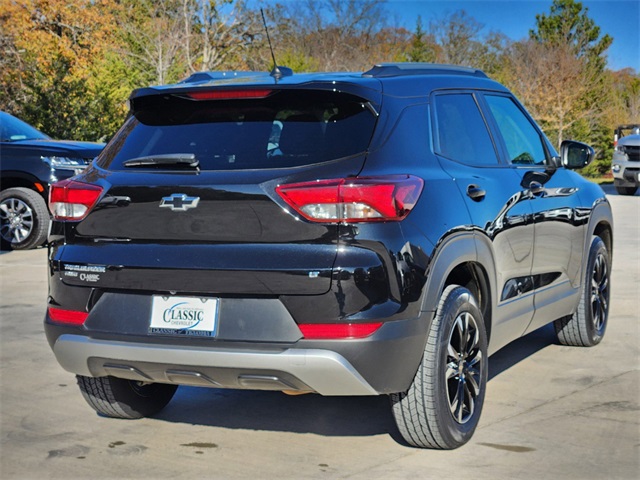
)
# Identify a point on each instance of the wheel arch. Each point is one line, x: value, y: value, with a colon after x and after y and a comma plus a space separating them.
x: 467, y: 260
x: 601, y: 225
x: 17, y: 180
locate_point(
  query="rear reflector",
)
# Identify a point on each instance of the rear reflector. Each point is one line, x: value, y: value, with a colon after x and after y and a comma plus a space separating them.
x: 71, y: 200
x: 338, y: 330
x: 353, y: 200
x: 230, y: 94
x: 68, y: 317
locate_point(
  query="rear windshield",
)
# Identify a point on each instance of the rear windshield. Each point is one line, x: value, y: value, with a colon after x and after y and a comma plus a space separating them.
x: 288, y: 128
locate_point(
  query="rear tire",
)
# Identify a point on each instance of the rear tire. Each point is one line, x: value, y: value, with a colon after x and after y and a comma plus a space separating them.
x: 24, y: 219
x: 120, y: 398
x: 626, y: 190
x: 586, y: 327
x: 442, y: 407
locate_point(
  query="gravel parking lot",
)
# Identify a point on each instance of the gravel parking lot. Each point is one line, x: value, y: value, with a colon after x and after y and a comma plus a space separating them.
x: 551, y: 411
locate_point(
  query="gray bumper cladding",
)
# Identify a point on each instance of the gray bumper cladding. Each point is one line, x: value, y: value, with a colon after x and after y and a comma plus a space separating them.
x: 321, y: 371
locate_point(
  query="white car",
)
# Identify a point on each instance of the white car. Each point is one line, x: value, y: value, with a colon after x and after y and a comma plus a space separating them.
x: 626, y: 161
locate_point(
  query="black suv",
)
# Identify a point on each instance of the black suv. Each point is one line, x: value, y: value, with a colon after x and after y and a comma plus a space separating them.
x: 342, y: 233
x: 29, y: 162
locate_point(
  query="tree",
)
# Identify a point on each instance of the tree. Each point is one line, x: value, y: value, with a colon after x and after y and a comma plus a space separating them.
x: 553, y: 83
x: 216, y: 32
x: 561, y: 75
x: 335, y: 34
x: 568, y: 23
x: 150, y: 38
x: 52, y: 46
x: 422, y: 45
x: 457, y: 35
x: 457, y: 38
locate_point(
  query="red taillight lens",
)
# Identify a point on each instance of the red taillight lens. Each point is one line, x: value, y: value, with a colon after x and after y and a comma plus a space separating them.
x: 320, y: 331
x: 230, y: 94
x: 352, y: 200
x: 71, y: 200
x: 67, y: 317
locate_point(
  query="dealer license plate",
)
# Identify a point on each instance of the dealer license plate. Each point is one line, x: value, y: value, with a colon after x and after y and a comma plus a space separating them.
x: 184, y: 316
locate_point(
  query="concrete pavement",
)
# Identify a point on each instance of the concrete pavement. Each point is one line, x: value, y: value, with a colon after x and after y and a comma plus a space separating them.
x: 551, y: 411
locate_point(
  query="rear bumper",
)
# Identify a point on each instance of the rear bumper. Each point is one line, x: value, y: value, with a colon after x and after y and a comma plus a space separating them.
x: 382, y: 363
x: 321, y: 371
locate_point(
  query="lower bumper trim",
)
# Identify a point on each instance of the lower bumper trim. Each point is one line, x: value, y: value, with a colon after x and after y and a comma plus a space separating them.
x: 322, y: 371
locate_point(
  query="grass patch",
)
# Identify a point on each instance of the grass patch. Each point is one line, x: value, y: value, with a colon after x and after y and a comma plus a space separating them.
x: 601, y: 180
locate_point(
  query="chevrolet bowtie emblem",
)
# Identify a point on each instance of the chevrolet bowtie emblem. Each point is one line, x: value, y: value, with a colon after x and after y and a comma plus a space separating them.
x: 179, y: 202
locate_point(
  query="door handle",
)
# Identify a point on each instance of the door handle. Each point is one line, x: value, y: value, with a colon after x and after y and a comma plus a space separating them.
x: 475, y: 192
x: 536, y: 188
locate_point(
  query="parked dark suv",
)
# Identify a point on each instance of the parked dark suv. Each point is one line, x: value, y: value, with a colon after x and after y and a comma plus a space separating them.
x: 342, y: 233
x: 29, y: 162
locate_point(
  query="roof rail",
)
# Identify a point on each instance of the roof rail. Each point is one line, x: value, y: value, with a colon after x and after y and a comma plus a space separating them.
x: 419, y: 68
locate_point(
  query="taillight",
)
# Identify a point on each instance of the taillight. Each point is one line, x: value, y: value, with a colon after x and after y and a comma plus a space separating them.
x: 71, y: 200
x: 352, y: 200
x: 318, y: 331
x: 230, y: 94
x: 67, y: 317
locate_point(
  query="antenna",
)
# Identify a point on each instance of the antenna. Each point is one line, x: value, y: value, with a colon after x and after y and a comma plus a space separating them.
x: 276, y: 72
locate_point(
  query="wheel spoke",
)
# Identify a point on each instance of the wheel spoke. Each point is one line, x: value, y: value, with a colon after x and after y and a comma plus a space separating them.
x: 473, y: 379
x: 464, y: 338
x: 451, y: 370
x: 451, y: 351
x: 460, y: 402
x: 470, y: 400
x: 17, y: 220
x: 462, y: 372
x: 477, y: 358
x: 599, y: 292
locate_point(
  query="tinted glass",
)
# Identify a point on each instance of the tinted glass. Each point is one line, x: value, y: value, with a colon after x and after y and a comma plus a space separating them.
x: 462, y: 132
x: 285, y: 129
x: 14, y: 130
x: 523, y: 142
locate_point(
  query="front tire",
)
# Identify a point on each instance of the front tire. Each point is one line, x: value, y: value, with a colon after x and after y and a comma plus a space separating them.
x: 24, y: 219
x: 586, y: 327
x: 121, y: 398
x: 442, y: 407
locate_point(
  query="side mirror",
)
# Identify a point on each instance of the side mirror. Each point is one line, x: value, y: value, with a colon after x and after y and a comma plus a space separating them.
x: 575, y: 154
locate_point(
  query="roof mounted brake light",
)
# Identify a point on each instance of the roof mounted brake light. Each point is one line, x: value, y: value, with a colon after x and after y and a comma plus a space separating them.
x: 230, y: 94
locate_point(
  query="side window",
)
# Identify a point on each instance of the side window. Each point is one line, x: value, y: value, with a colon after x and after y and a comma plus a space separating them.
x: 462, y: 132
x: 523, y: 142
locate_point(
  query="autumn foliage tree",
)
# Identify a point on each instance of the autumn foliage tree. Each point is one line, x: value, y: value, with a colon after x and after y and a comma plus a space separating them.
x: 69, y: 67
x: 559, y: 74
x: 48, y: 78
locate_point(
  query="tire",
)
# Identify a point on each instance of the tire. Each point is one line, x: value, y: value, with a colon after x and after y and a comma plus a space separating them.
x: 24, y: 219
x: 120, y: 398
x: 586, y: 327
x: 427, y: 414
x: 626, y: 190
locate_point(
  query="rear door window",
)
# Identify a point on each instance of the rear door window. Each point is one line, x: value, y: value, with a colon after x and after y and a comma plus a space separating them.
x: 287, y: 128
x: 462, y: 134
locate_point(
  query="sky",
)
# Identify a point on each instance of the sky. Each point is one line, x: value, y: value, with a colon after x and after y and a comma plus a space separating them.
x: 514, y: 18
x: 619, y: 18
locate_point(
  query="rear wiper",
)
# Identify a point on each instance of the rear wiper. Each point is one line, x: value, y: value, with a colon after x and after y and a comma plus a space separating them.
x: 182, y: 159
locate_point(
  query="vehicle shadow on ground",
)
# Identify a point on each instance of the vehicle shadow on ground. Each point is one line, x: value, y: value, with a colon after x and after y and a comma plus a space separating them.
x: 327, y: 416
x: 609, y: 189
